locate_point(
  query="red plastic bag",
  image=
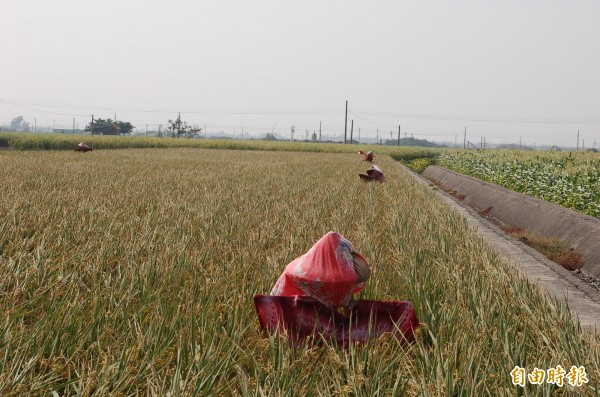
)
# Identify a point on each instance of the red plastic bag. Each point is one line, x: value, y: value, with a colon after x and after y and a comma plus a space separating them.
x: 325, y: 272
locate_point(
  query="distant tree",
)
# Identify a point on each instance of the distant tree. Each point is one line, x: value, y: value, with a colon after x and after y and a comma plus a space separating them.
x: 411, y: 142
x: 108, y: 127
x: 270, y: 137
x: 125, y: 126
x: 19, y: 124
x: 178, y: 128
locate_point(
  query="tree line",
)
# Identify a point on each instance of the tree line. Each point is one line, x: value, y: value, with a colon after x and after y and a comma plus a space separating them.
x: 176, y: 128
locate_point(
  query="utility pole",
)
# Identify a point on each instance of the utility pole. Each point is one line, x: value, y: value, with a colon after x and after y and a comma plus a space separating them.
x: 465, y: 139
x: 359, y: 135
x: 34, y: 124
x: 292, y: 133
x: 205, y: 133
x: 92, y: 131
x: 178, y: 125
x: 398, y: 135
x: 377, y: 138
x: 159, y: 130
x: 483, y: 143
x: 577, y: 139
x: 520, y: 145
x: 319, y: 131
x: 242, y: 133
x: 351, y: 131
x: 73, y: 126
x: 346, y: 122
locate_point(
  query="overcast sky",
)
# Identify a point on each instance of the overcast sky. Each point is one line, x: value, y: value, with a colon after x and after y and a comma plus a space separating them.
x: 504, y: 69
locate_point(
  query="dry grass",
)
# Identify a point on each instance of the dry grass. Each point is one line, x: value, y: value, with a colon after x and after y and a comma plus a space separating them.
x: 132, y: 273
x: 554, y: 249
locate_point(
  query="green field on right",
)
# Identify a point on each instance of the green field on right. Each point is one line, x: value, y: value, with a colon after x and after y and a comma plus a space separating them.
x: 570, y: 179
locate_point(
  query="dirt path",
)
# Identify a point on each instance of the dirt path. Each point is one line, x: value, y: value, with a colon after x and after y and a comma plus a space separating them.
x: 583, y: 300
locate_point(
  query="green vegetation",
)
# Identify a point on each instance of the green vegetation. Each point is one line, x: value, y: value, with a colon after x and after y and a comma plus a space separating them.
x: 19, y: 124
x: 68, y: 142
x: 132, y: 273
x: 417, y: 160
x: 411, y: 142
x: 109, y: 127
x: 4, y: 141
x: 178, y: 128
x: 568, y: 179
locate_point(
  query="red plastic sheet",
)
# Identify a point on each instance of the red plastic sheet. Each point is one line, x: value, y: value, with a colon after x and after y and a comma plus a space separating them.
x: 301, y: 317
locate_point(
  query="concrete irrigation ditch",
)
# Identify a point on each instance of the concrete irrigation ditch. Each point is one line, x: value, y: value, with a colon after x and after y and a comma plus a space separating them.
x: 472, y: 194
x: 580, y: 231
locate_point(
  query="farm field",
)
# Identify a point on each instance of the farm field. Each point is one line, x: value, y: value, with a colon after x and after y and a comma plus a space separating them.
x: 131, y: 272
x: 569, y: 179
x: 30, y: 141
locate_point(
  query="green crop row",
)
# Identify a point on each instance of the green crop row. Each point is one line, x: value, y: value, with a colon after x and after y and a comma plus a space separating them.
x: 28, y: 142
x: 568, y: 180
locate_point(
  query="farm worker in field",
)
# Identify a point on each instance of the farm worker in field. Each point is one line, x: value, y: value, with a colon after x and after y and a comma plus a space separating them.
x: 313, y: 299
x: 368, y: 156
x: 330, y: 272
x: 373, y: 174
x: 82, y: 147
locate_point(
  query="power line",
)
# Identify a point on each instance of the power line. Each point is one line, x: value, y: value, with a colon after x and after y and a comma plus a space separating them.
x: 46, y: 111
x: 480, y: 118
x: 28, y: 103
x: 191, y: 111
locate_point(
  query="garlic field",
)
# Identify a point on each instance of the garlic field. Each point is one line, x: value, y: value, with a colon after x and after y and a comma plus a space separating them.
x: 132, y: 272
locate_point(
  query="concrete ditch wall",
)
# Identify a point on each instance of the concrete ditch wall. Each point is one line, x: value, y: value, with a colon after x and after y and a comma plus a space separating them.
x: 581, y: 231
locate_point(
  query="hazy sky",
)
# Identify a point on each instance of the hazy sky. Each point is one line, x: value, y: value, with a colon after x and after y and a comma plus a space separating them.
x: 503, y: 69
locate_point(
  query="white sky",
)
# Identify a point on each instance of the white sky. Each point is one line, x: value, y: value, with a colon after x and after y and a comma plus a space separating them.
x: 504, y: 69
